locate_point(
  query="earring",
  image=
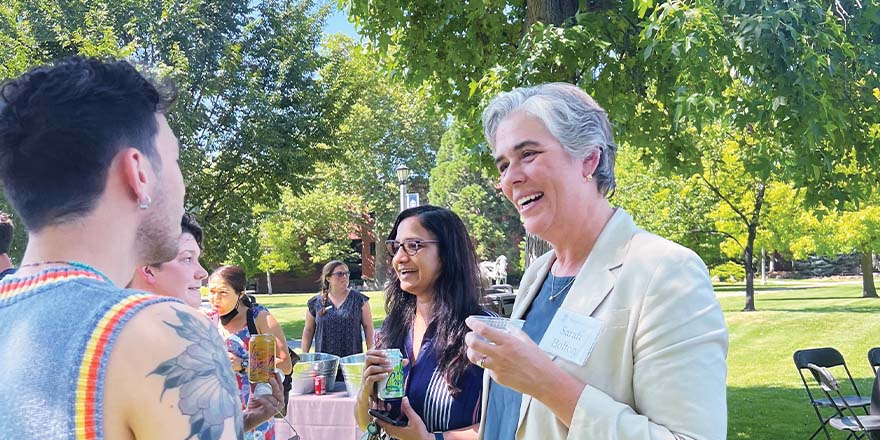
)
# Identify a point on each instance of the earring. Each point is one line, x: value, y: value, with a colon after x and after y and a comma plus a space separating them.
x: 589, y: 178
x: 145, y: 204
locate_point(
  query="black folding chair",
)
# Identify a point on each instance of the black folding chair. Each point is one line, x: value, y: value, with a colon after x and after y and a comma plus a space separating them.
x: 874, y: 358
x: 857, y: 425
x: 827, y: 358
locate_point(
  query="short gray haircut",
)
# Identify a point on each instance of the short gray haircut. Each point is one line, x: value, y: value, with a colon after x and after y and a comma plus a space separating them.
x: 571, y: 116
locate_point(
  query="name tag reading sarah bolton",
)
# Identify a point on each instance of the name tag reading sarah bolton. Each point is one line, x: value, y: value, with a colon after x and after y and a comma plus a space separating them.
x: 571, y: 336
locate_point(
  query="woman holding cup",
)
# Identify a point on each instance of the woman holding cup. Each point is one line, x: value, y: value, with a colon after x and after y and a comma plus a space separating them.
x: 433, y: 289
x: 623, y: 336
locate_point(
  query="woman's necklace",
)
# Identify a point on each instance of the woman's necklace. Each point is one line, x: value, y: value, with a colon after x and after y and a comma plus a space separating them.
x: 555, y: 293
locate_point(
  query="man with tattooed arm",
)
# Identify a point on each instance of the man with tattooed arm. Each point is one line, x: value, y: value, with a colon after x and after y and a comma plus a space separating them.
x: 89, y: 163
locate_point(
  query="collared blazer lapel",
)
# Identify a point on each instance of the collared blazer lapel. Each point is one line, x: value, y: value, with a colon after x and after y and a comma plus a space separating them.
x: 594, y: 281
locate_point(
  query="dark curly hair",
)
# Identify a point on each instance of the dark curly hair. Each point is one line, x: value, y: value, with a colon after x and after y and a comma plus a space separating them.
x: 189, y: 225
x: 456, y: 292
x: 62, y: 125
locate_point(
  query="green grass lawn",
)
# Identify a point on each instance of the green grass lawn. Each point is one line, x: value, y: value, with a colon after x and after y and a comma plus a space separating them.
x: 290, y: 310
x: 765, y: 396
x: 764, y: 393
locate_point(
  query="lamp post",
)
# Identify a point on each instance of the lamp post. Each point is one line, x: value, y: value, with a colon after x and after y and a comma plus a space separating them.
x: 402, y: 174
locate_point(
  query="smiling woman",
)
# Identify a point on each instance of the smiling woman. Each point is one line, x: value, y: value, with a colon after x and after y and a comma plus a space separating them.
x: 619, y: 323
x: 182, y: 276
x: 434, y: 287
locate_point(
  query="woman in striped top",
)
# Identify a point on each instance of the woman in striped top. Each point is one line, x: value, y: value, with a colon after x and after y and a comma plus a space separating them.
x: 434, y: 287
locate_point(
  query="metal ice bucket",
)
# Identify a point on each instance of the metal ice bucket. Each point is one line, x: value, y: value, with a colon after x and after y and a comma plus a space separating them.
x: 353, y: 372
x: 304, y: 372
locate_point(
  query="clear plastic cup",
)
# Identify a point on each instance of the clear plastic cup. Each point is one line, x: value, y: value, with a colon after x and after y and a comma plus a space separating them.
x: 499, y: 322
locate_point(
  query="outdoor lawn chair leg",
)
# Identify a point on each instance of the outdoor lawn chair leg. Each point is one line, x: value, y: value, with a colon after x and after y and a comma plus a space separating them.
x: 822, y: 427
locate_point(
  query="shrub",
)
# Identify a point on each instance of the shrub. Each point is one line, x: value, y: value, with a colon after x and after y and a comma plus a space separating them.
x: 729, y: 272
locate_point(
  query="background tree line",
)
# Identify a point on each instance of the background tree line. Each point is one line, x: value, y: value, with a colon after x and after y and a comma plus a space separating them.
x: 742, y: 125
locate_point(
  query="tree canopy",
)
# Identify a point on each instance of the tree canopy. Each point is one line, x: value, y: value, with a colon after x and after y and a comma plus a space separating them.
x: 800, y: 70
x: 249, y: 106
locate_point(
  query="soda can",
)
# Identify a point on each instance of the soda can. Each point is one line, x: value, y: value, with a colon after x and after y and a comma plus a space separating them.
x: 319, y: 385
x: 261, y: 358
x: 262, y: 389
x: 391, y: 387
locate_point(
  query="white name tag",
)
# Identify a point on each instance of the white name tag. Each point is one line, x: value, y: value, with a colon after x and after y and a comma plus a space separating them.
x: 571, y: 336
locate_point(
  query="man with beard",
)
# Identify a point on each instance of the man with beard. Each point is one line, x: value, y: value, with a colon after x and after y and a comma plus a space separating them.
x: 90, y: 164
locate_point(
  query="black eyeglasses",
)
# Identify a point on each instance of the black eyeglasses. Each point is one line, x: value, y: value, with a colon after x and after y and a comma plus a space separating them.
x: 410, y: 246
x: 340, y: 274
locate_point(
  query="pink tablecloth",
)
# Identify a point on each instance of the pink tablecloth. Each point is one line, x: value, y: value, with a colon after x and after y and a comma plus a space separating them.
x: 327, y: 417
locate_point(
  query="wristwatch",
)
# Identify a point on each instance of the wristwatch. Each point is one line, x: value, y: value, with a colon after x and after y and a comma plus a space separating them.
x: 244, y: 365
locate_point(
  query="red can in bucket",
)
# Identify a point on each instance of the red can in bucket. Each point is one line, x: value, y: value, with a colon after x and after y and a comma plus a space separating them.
x: 319, y: 385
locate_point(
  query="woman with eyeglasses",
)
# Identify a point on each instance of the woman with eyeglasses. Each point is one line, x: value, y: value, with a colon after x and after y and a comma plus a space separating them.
x: 336, y: 315
x: 433, y: 287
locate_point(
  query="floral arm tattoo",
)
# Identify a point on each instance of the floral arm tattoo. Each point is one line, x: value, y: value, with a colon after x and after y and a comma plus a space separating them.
x: 208, y: 391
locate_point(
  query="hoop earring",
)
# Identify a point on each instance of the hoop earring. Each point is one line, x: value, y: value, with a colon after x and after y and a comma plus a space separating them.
x: 145, y: 204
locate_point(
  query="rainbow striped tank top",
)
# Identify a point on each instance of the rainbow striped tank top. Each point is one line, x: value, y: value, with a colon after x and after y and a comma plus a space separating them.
x: 57, y: 330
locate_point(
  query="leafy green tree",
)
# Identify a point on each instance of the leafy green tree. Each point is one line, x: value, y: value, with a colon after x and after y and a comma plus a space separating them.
x: 662, y: 67
x: 860, y: 231
x: 310, y: 228
x: 673, y: 207
x: 664, y: 70
x: 790, y: 227
x: 249, y: 106
x: 473, y: 194
x: 854, y: 229
x: 377, y: 124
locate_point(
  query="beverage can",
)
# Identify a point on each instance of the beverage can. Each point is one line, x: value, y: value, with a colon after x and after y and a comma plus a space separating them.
x: 261, y: 357
x: 392, y: 387
x: 262, y: 389
x: 319, y: 384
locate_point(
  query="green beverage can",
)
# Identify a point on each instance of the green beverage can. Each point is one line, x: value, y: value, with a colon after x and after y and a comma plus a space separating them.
x: 392, y: 387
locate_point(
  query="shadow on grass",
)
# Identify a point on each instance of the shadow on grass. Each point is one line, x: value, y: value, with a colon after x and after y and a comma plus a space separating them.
x: 775, y: 413
x: 829, y: 309
x: 742, y: 288
x: 769, y: 413
x: 810, y: 298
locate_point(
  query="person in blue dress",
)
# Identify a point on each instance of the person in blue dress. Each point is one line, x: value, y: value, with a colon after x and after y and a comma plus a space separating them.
x: 434, y: 287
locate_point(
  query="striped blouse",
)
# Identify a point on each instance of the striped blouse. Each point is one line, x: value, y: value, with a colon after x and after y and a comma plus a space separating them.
x: 428, y: 394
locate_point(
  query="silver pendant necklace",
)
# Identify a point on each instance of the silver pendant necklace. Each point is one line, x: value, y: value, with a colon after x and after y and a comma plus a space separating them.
x: 555, y: 293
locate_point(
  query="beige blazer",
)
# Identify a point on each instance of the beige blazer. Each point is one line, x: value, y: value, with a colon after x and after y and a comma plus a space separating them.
x: 658, y: 369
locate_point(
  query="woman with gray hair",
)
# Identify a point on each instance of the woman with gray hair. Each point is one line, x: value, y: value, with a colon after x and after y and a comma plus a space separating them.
x: 623, y: 336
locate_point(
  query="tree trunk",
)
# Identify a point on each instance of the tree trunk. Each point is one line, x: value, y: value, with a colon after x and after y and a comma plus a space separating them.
x: 550, y: 11
x: 535, y: 247
x: 748, y: 253
x: 381, y: 266
x: 269, y: 282
x: 868, y: 288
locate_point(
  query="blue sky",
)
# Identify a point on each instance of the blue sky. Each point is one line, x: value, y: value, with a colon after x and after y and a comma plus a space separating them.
x: 338, y: 22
